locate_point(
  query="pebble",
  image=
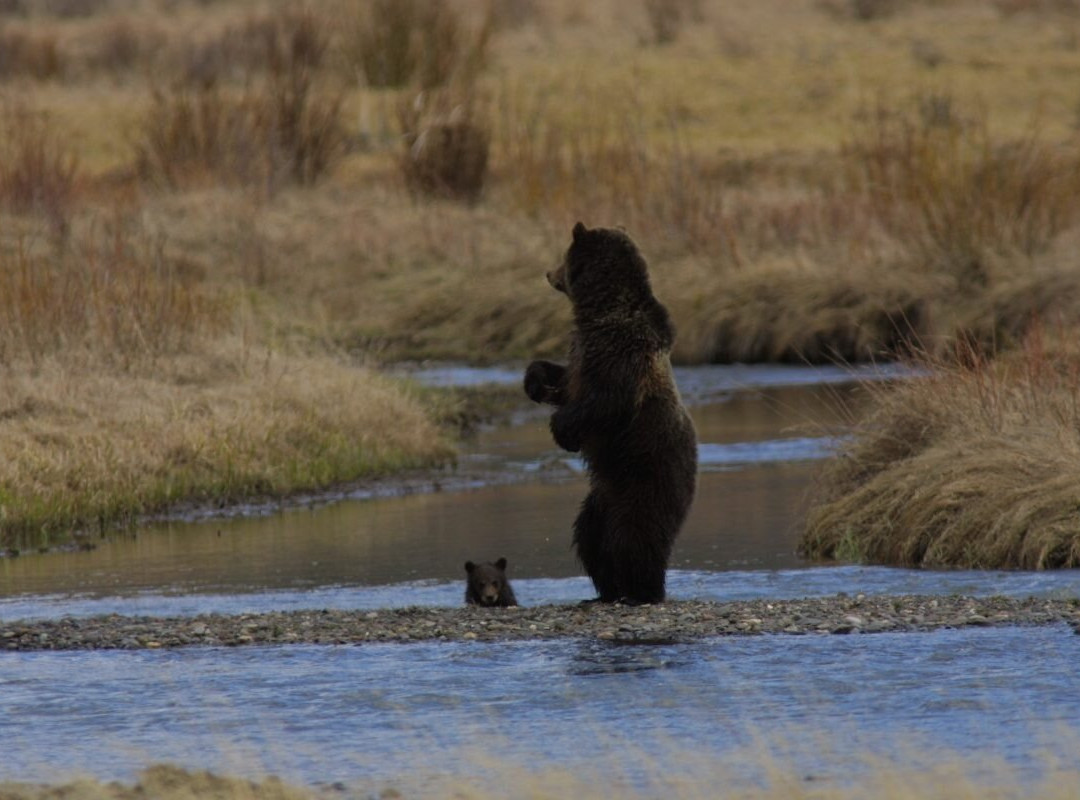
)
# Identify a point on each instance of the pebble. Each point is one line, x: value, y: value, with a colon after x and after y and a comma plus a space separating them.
x: 675, y: 621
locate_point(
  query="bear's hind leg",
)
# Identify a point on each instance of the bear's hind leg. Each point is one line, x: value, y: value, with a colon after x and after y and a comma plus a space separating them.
x: 639, y: 551
x: 640, y: 581
x: 590, y: 540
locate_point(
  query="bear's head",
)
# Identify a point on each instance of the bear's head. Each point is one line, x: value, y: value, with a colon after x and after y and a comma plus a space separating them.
x: 486, y: 581
x: 602, y: 268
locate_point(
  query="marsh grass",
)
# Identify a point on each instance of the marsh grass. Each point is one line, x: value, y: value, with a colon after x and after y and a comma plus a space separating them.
x: 85, y: 450
x: 28, y: 54
x: 283, y: 124
x: 429, y: 43
x: 778, y: 223
x: 666, y: 18
x: 975, y: 466
x: 38, y: 172
x: 959, y: 197
x: 600, y: 159
x: 447, y: 145
x: 128, y: 388
x: 112, y: 295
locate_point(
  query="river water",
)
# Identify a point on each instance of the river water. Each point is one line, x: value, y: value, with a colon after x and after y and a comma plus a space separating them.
x: 348, y: 714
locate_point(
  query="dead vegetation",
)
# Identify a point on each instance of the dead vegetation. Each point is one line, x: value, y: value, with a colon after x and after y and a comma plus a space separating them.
x: 38, y: 172
x: 932, y: 777
x: 423, y: 43
x: 974, y: 466
x: 391, y: 180
x: 85, y: 449
x: 281, y: 124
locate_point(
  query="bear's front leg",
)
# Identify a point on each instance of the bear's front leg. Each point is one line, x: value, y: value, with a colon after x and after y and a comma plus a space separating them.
x: 545, y: 382
x: 566, y: 430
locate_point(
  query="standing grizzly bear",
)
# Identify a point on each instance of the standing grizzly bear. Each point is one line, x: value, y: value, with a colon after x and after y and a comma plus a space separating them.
x: 618, y: 405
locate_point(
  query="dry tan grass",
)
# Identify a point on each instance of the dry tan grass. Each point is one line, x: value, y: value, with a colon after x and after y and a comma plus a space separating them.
x: 130, y: 387
x: 110, y: 295
x: 163, y: 782
x: 958, y: 780
x: 83, y: 448
x: 977, y: 466
x: 781, y: 219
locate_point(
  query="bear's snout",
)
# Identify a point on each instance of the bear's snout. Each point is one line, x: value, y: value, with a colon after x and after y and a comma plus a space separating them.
x: 557, y: 279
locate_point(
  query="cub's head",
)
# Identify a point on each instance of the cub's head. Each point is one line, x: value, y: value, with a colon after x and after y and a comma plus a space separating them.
x: 601, y: 267
x: 485, y: 582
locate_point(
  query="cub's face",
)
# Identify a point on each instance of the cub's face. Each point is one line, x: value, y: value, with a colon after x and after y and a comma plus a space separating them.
x: 486, y: 581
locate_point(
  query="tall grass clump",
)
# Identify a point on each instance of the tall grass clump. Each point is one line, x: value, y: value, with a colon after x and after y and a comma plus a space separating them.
x: 976, y: 465
x: 963, y: 203
x: 255, y: 46
x: 109, y: 299
x: 121, y: 47
x: 666, y: 18
x: 862, y: 10
x: 31, y: 55
x: 394, y: 43
x: 599, y: 158
x: 446, y: 146
x: 281, y: 125
x: 38, y: 173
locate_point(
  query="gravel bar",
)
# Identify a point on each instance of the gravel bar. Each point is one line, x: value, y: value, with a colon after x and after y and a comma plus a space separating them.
x: 675, y: 621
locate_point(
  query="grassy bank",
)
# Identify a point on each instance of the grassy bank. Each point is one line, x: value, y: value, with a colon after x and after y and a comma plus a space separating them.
x: 212, y: 214
x: 83, y: 451
x: 976, y: 466
x: 130, y: 385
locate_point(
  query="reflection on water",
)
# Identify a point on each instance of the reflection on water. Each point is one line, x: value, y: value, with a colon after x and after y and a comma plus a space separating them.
x: 697, y: 384
x: 591, y: 657
x: 742, y: 518
x: 819, y: 705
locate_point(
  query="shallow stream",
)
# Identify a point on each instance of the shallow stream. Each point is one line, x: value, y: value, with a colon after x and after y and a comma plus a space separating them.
x: 318, y: 714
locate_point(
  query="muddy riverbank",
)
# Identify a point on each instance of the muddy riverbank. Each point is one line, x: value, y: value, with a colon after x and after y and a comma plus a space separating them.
x: 668, y: 622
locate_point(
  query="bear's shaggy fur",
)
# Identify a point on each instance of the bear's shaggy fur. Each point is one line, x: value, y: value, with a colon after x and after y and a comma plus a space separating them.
x: 618, y: 406
x: 486, y: 584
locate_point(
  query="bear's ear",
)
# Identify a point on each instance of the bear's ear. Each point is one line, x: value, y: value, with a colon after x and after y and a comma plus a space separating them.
x: 579, y: 231
x: 469, y: 567
x: 501, y: 564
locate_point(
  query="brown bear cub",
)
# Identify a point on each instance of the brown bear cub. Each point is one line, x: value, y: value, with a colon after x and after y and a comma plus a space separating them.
x: 617, y: 404
x: 487, y: 585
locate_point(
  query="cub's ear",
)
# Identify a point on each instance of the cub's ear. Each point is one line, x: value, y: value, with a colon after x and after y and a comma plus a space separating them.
x: 469, y: 567
x: 501, y: 564
x: 579, y: 231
